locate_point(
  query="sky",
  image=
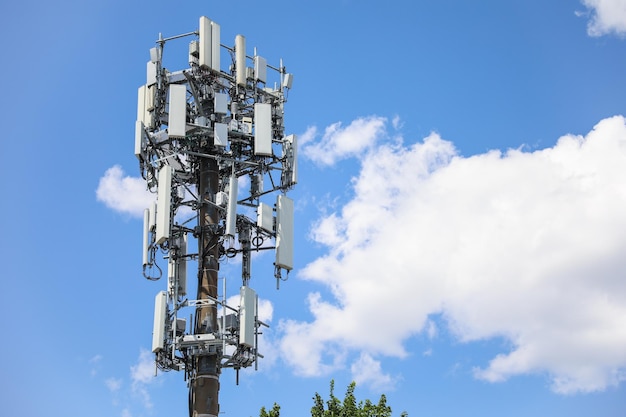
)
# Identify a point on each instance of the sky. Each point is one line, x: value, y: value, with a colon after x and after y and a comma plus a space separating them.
x: 460, y: 222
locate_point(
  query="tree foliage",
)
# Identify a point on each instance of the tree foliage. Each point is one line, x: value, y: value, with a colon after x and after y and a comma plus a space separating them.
x: 349, y: 407
x: 274, y: 412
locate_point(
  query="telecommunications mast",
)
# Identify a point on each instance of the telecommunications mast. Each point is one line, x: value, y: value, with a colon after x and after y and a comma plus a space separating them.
x: 200, y: 133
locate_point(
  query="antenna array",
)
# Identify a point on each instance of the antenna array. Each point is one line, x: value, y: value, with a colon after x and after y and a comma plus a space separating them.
x: 200, y: 132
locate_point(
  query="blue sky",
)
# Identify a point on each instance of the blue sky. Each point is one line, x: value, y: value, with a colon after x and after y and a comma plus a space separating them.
x: 460, y: 226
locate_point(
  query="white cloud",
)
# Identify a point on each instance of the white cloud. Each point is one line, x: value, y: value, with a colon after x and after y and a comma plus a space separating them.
x: 113, y: 384
x: 142, y: 374
x: 95, y: 362
x: 367, y: 371
x: 607, y: 17
x: 522, y: 245
x: 341, y: 142
x: 123, y: 193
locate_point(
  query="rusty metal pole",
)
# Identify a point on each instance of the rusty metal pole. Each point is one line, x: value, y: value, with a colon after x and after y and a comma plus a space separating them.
x: 204, y: 387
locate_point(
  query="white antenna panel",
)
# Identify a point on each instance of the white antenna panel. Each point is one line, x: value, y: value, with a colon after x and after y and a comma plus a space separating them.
x: 260, y: 69
x: 215, y: 46
x: 220, y: 134
x: 158, y: 329
x: 265, y: 217
x: 163, y: 205
x: 145, y: 103
x: 247, y: 316
x: 177, y: 122
x: 150, y: 91
x: 206, y: 42
x: 153, y: 209
x: 146, y: 236
x: 221, y: 198
x: 284, y: 232
x: 288, y: 81
x: 220, y: 102
x: 151, y: 73
x: 139, y: 138
x: 231, y: 212
x: 155, y: 55
x: 263, y: 129
x: 240, y: 59
x: 141, y: 104
x: 209, y: 54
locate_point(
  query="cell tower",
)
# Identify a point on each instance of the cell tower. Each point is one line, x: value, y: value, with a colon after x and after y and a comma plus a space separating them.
x: 200, y: 133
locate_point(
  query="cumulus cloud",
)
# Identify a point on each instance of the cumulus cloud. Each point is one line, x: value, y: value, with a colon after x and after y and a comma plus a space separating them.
x: 526, y: 246
x: 607, y: 17
x: 368, y: 371
x: 142, y: 374
x: 340, y: 142
x: 123, y: 193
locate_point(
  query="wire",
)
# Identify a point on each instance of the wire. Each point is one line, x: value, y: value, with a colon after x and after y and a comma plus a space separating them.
x: 150, y: 277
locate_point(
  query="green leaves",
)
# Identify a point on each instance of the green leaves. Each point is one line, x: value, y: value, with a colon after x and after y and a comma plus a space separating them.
x: 349, y: 407
x: 274, y: 412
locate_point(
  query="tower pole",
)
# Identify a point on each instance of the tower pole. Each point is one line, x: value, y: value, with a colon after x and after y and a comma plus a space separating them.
x: 204, y: 388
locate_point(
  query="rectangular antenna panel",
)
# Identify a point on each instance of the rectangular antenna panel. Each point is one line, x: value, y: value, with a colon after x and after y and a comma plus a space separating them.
x: 209, y: 48
x: 260, y: 69
x: 158, y: 329
x: 163, y: 204
x: 146, y: 236
x: 141, y: 104
x: 288, y: 81
x: 247, y: 317
x: 206, y: 42
x: 177, y: 122
x: 221, y: 103
x: 263, y: 129
x: 220, y: 134
x: 153, y: 209
x: 150, y: 93
x: 221, y: 198
x: 155, y: 55
x: 284, y: 232
x: 140, y: 138
x: 231, y: 212
x: 151, y: 73
x: 215, y: 46
x: 145, y: 103
x: 265, y: 217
